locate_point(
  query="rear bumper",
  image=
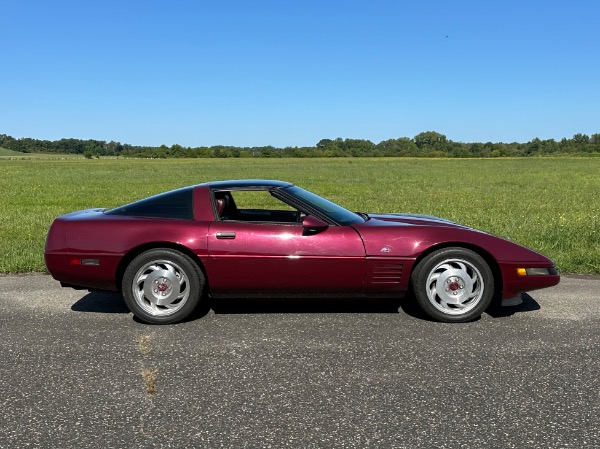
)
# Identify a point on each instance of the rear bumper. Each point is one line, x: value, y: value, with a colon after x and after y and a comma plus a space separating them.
x: 99, y: 277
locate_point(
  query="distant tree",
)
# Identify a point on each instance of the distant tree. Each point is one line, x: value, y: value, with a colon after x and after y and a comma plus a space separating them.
x: 201, y: 152
x: 581, y: 139
x: 533, y: 147
x: 425, y: 144
x: 431, y: 139
x: 114, y: 148
x: 460, y: 150
x: 356, y: 148
x: 397, y: 147
x: 478, y: 150
x: 324, y: 143
x: 594, y: 146
x: 176, y: 151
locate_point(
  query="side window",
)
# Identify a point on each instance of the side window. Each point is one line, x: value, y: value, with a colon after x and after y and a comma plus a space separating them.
x: 259, y: 200
x: 255, y: 206
x: 175, y: 204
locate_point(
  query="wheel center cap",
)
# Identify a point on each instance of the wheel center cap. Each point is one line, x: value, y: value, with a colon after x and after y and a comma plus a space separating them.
x: 454, y: 286
x: 162, y: 287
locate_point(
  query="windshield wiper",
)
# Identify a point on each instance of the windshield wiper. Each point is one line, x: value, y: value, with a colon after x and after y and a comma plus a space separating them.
x: 363, y: 216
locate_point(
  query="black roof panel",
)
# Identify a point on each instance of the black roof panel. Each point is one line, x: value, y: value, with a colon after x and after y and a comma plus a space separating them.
x: 248, y: 183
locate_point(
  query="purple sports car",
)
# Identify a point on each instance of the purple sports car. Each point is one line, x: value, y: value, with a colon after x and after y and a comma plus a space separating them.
x: 262, y: 238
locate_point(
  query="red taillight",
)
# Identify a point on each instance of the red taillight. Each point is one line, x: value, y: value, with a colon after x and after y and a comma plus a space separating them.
x: 84, y: 262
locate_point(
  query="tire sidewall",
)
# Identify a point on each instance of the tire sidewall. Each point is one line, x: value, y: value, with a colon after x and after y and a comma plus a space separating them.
x: 421, y: 274
x: 192, y: 271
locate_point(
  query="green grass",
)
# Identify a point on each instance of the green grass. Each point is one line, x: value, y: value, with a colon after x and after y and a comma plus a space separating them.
x: 550, y: 205
x: 11, y: 154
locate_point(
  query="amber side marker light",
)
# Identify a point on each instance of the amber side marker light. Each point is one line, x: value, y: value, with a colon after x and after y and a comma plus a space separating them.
x: 536, y: 271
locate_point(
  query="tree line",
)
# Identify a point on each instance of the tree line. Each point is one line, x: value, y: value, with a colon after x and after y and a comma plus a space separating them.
x: 425, y: 144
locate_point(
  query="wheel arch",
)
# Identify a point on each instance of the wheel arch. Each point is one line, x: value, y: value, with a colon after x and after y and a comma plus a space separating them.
x: 489, y: 259
x: 134, y: 252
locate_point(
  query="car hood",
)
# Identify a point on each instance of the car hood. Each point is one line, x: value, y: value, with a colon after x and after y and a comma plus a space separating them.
x: 414, y: 219
x: 409, y: 235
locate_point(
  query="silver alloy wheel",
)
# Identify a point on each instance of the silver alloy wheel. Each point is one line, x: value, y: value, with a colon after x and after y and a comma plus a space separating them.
x: 161, y: 288
x: 455, y: 286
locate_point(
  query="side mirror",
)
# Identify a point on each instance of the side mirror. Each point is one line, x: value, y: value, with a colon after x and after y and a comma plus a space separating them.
x: 313, y: 225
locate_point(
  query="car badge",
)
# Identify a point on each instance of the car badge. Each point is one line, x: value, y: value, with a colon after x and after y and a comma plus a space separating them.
x: 385, y: 249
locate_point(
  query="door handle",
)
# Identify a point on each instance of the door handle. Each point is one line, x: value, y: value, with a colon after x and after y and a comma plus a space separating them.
x: 225, y: 235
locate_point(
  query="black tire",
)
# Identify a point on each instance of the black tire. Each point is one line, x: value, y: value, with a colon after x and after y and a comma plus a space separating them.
x: 162, y: 286
x: 453, y: 285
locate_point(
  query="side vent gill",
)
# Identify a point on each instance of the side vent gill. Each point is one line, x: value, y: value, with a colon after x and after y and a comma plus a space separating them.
x: 385, y: 273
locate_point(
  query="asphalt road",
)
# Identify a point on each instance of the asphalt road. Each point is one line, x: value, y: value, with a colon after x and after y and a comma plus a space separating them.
x: 341, y: 374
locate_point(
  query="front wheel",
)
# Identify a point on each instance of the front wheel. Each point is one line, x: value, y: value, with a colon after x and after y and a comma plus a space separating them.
x: 162, y: 286
x: 453, y: 285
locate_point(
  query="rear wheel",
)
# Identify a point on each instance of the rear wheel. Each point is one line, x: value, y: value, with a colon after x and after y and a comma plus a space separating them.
x: 162, y: 286
x: 453, y: 285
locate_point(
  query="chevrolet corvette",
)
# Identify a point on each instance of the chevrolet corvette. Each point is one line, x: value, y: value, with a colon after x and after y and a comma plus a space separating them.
x: 261, y: 238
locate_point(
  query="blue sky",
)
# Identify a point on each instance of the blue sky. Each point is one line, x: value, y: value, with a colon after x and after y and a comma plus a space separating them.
x: 289, y: 73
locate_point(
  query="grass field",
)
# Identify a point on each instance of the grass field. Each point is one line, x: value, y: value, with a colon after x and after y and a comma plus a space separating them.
x: 550, y: 205
x: 10, y: 154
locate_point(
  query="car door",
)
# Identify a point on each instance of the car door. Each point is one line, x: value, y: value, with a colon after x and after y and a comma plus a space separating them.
x: 251, y: 258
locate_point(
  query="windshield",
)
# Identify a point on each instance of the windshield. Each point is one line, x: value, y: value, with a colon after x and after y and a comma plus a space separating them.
x: 332, y: 210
